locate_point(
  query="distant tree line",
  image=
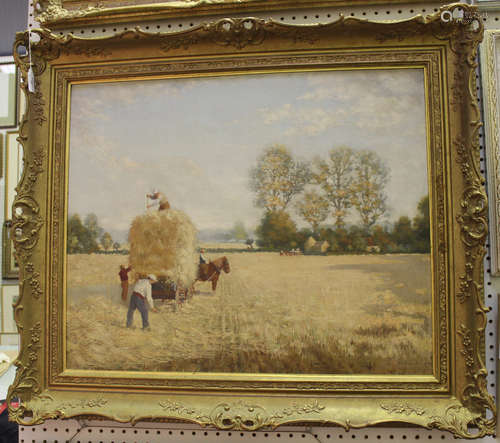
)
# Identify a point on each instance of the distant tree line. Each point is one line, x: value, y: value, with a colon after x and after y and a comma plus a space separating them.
x: 87, y: 237
x: 348, y: 182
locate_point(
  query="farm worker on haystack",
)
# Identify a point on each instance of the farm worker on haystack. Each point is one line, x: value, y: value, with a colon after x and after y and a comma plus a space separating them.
x: 158, y: 199
x: 124, y: 280
x: 140, y: 299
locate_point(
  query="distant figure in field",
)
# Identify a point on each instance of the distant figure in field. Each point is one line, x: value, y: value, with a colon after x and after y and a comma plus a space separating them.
x: 159, y: 200
x: 124, y: 280
x: 140, y: 299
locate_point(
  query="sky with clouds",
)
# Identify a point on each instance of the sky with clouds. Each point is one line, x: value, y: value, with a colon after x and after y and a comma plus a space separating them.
x: 195, y: 139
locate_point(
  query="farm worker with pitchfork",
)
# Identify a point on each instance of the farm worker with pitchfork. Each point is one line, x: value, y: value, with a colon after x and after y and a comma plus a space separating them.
x: 140, y: 299
x: 124, y: 280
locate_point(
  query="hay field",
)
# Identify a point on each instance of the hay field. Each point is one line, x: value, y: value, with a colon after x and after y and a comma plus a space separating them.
x: 366, y: 314
x: 224, y: 245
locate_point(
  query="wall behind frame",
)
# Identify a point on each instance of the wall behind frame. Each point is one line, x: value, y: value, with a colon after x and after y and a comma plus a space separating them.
x: 12, y: 19
x: 105, y: 431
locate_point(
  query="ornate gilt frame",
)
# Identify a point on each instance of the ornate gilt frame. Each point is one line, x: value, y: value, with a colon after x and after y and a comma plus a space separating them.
x: 454, y: 398
x: 491, y: 104
x: 63, y: 13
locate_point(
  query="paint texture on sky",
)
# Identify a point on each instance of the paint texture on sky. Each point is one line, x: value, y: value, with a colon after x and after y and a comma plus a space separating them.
x: 196, y: 139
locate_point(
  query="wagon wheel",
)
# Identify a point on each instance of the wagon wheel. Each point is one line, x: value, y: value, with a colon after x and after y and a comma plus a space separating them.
x: 177, y: 301
x: 189, y: 292
x: 180, y: 297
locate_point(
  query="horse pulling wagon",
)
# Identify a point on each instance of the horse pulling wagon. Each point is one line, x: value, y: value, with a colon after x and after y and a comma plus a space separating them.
x: 166, y: 289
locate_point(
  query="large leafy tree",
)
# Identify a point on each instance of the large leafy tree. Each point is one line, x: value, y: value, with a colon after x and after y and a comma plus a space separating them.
x: 239, y: 232
x: 335, y: 176
x: 106, y: 241
x: 313, y: 208
x: 75, y: 232
x: 277, y: 178
x: 403, y: 234
x: 276, y: 231
x: 421, y: 226
x: 92, y: 224
x: 80, y: 238
x: 370, y: 178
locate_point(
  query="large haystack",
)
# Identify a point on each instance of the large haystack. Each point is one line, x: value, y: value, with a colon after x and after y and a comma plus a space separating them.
x: 164, y: 243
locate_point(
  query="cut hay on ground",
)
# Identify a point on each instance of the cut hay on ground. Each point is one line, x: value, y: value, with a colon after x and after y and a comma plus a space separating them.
x: 350, y: 314
x: 164, y: 243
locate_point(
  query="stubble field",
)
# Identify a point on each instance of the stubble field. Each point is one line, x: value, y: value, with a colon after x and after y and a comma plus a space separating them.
x: 352, y: 314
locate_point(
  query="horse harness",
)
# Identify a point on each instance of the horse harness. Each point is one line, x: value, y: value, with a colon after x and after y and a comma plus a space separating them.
x: 217, y: 271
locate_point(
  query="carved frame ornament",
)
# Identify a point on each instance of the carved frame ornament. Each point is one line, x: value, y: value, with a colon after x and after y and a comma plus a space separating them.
x: 453, y: 398
x: 64, y: 13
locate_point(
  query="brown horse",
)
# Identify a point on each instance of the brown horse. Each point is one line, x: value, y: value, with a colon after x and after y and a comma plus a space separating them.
x: 211, y: 271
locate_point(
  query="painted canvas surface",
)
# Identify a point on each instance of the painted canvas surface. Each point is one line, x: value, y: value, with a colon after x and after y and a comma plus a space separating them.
x: 280, y: 221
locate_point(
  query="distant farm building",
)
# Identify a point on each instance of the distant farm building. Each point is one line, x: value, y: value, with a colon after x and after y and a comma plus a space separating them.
x: 312, y: 246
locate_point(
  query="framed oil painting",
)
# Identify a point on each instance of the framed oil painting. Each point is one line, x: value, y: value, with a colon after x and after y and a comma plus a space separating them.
x: 61, y: 13
x: 13, y: 171
x: 490, y: 64
x: 8, y: 331
x: 8, y: 94
x: 249, y: 224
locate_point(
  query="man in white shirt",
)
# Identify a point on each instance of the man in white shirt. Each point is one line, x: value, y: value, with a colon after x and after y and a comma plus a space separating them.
x: 140, y: 299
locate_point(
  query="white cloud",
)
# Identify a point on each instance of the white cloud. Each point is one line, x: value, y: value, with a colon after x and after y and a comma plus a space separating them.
x: 95, y: 102
x: 319, y: 94
x: 366, y: 99
x: 270, y: 116
x: 352, y: 85
x: 129, y: 164
x: 314, y: 121
x: 378, y: 112
x: 88, y: 108
x: 303, y: 120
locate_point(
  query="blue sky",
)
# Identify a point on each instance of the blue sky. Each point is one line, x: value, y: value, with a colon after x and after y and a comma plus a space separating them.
x: 196, y: 139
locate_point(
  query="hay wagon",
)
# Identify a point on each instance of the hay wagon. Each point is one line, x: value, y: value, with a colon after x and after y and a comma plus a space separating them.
x: 167, y: 291
x: 164, y: 243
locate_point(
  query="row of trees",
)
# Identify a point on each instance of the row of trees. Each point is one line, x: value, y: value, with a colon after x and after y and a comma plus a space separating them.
x: 346, y: 180
x: 347, y: 183
x: 87, y: 236
x: 277, y: 231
